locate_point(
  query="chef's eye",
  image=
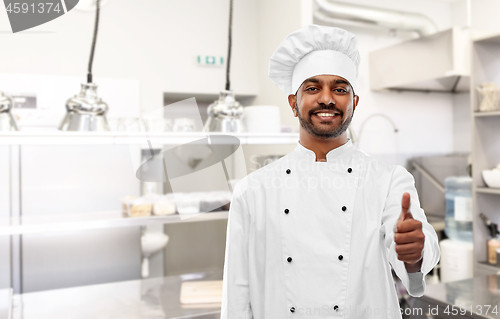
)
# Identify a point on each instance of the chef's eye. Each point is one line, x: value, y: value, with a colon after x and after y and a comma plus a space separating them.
x: 341, y: 90
x: 311, y: 89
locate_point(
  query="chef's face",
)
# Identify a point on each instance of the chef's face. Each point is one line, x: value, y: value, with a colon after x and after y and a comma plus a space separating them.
x: 323, y: 94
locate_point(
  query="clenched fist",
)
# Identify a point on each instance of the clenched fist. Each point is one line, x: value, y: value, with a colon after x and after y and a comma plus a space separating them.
x: 409, y: 237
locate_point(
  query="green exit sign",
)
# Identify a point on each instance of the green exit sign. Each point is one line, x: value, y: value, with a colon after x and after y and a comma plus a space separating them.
x: 213, y: 60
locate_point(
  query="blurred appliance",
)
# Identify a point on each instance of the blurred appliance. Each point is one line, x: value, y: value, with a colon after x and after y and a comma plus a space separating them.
x: 226, y: 114
x: 443, y: 66
x: 430, y: 173
x: 7, y: 121
x: 86, y: 111
x: 458, y: 194
x: 262, y: 119
x: 456, y: 260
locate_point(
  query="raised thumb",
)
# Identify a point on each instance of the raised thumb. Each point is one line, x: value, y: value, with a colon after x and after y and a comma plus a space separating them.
x: 405, y: 206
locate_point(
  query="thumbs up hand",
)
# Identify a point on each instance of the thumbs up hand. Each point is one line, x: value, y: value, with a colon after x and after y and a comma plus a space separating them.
x: 409, y: 237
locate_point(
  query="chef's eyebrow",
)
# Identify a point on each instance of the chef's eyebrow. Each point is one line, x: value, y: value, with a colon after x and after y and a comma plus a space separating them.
x: 341, y: 81
x: 313, y: 80
x: 336, y: 81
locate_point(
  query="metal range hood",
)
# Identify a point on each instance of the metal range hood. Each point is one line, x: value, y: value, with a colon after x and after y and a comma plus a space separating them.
x: 434, y: 62
x: 439, y: 62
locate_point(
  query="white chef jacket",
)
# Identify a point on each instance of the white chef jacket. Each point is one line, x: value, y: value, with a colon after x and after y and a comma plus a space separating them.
x: 309, y: 239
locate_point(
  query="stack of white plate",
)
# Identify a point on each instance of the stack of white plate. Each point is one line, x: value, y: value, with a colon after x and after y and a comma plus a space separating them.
x: 262, y: 119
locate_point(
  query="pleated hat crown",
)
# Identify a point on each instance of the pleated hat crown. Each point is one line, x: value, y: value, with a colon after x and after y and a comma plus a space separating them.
x: 314, y: 50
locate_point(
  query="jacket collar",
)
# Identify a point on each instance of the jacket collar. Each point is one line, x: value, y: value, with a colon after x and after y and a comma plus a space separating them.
x: 341, y: 152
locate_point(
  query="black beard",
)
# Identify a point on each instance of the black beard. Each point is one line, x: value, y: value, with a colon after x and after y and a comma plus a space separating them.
x: 323, y: 134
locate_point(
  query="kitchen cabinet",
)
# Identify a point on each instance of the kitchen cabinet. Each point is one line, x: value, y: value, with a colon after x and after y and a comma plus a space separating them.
x: 485, y: 130
x: 26, y: 225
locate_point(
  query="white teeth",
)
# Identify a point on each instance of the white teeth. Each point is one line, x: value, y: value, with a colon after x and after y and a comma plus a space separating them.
x: 325, y: 114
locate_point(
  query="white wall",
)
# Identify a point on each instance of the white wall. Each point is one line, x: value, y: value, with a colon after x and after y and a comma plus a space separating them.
x: 484, y: 16
x: 277, y: 19
x: 155, y: 42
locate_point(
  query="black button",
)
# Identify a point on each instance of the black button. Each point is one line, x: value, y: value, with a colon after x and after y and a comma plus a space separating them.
x: 292, y: 309
x: 344, y: 208
x: 335, y: 307
x: 286, y: 210
x: 341, y: 257
x: 288, y: 171
x: 349, y: 169
x: 289, y: 259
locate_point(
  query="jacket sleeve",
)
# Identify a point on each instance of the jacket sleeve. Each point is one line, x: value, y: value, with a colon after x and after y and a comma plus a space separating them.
x: 402, y: 181
x: 235, y: 292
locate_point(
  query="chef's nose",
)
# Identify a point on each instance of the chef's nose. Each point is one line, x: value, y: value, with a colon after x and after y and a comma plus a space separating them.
x: 326, y: 97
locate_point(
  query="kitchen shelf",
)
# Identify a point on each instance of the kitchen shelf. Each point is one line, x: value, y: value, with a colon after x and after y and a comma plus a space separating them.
x: 488, y: 38
x: 485, y: 136
x: 95, y: 220
x: 203, y: 97
x: 482, y: 114
x: 125, y: 138
x: 488, y: 190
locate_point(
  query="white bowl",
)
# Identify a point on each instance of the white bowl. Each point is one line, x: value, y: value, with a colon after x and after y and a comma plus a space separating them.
x: 152, y: 243
x: 492, y: 178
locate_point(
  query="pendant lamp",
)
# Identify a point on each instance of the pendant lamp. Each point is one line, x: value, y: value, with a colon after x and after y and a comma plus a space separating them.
x: 226, y: 114
x: 7, y: 121
x: 86, y: 111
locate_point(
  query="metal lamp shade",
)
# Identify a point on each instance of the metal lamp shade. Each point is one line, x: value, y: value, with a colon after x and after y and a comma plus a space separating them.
x: 7, y: 121
x: 86, y: 112
x: 225, y: 115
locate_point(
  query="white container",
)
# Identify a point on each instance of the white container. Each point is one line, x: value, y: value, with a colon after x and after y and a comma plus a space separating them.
x: 492, y: 178
x: 187, y: 203
x: 262, y: 119
x: 164, y: 206
x: 458, y: 219
x: 456, y: 260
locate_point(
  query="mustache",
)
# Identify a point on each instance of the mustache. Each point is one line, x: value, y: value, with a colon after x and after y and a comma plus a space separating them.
x: 330, y: 107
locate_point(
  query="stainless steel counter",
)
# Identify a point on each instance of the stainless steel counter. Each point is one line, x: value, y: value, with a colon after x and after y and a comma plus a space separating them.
x: 479, y: 294
x: 156, y: 298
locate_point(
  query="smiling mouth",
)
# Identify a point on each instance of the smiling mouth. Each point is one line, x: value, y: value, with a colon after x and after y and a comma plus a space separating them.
x: 326, y: 115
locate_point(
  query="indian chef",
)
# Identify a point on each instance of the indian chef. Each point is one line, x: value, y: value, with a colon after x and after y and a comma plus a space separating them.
x: 315, y: 233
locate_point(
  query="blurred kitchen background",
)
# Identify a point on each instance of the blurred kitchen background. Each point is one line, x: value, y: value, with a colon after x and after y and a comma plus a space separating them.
x: 77, y: 227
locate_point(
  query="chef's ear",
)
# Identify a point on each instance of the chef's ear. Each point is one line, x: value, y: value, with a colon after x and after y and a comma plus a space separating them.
x: 355, y: 101
x: 292, y: 100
